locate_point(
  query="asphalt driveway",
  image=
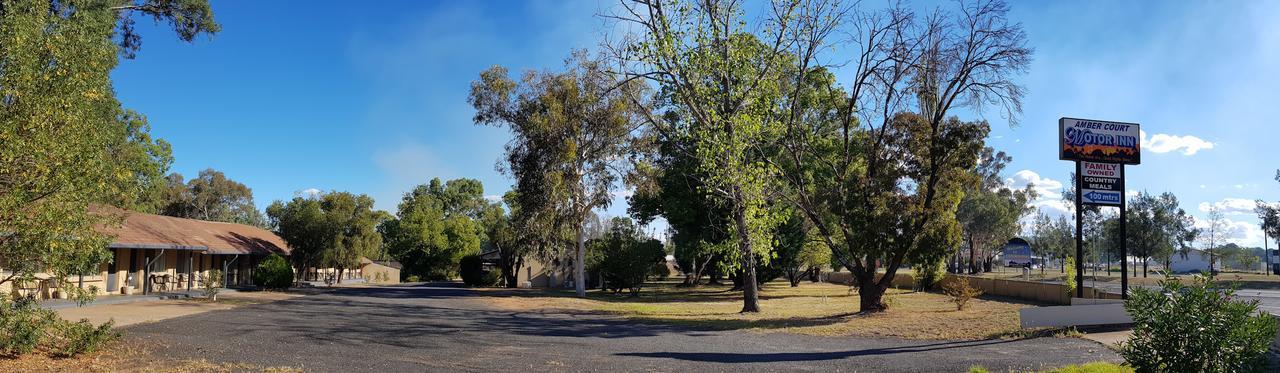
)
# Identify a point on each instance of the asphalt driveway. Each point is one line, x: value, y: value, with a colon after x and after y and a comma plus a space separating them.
x: 438, y: 328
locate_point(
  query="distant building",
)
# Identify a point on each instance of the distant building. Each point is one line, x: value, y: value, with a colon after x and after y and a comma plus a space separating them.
x: 1195, y: 261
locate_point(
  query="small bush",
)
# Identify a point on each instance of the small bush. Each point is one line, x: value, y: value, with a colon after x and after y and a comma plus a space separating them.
x: 1069, y: 266
x: 625, y: 258
x: 26, y: 327
x: 211, y: 283
x: 70, y: 339
x: 1096, y: 367
x: 960, y: 292
x: 929, y: 274
x: 22, y: 325
x: 411, y: 278
x: 1196, y: 328
x: 273, y: 273
x: 471, y: 267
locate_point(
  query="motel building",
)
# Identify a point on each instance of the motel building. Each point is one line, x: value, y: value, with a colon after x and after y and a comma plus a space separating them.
x: 155, y: 254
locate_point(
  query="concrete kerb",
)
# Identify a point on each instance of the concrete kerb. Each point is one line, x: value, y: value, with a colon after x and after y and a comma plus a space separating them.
x: 55, y: 304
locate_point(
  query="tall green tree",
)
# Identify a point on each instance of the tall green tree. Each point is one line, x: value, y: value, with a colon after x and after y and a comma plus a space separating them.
x: 723, y: 79
x: 668, y: 184
x: 435, y: 226
x: 888, y: 178
x: 330, y: 230
x: 64, y: 132
x: 301, y: 222
x: 210, y: 196
x: 571, y: 132
x: 989, y: 213
x: 353, y: 225
x: 1269, y: 218
x: 500, y: 236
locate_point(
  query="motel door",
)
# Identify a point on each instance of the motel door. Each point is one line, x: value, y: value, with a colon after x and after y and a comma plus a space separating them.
x: 113, y: 285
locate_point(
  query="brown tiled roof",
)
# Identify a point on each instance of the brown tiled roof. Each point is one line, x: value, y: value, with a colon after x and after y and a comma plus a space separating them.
x: 156, y: 231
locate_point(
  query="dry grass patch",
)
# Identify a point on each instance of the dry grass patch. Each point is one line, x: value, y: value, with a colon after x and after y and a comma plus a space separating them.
x: 816, y: 309
x: 125, y: 356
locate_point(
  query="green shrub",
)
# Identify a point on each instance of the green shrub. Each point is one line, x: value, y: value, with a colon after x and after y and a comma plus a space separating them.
x: 1196, y: 328
x: 211, y: 283
x: 273, y: 273
x: 26, y: 327
x: 1069, y: 266
x: 471, y: 267
x: 73, y: 338
x: 1095, y: 367
x: 625, y: 258
x: 411, y: 278
x: 930, y: 273
x: 22, y: 325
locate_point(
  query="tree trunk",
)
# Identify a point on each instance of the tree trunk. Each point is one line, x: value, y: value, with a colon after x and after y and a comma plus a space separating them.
x: 579, y: 268
x: 1144, y: 268
x: 973, y: 258
x: 870, y: 295
x: 750, y: 298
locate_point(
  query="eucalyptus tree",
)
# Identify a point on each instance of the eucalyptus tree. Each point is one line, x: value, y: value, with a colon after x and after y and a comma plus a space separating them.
x: 210, y: 196
x: 1269, y: 217
x: 302, y: 225
x: 353, y: 226
x: 990, y: 212
x: 436, y: 224
x: 571, y: 133
x: 64, y: 132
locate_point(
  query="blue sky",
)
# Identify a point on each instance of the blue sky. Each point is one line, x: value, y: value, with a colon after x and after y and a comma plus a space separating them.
x: 322, y: 95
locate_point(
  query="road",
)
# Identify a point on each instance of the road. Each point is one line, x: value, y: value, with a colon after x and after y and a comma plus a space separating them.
x: 1268, y: 300
x: 430, y: 328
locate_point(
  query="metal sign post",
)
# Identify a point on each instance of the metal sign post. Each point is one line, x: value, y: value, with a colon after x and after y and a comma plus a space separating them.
x: 1079, y: 236
x: 1124, y: 246
x: 1100, y: 149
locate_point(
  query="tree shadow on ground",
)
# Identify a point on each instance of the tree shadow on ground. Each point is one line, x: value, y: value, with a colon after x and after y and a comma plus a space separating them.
x: 717, y: 357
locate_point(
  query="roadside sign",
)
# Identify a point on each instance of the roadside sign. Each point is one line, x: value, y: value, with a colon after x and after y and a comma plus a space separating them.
x: 1100, y: 149
x: 1099, y: 141
x: 1101, y: 183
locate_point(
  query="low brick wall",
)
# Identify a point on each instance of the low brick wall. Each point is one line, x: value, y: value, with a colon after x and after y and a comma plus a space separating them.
x: 1026, y: 290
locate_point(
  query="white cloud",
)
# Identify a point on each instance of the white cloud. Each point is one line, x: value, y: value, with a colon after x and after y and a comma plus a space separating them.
x: 1052, y: 207
x: 492, y: 198
x: 1046, y: 188
x: 1243, y: 233
x: 1231, y: 206
x: 1164, y: 143
x: 308, y: 193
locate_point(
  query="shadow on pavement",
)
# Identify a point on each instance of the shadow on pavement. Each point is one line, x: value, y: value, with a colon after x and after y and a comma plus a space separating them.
x: 716, y: 357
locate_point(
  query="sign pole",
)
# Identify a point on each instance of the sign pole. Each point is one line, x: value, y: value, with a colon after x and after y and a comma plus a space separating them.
x: 1124, y: 245
x: 1079, y: 237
